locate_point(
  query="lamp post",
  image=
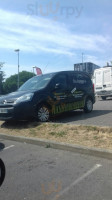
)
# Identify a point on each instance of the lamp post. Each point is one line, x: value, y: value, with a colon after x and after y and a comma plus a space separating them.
x: 82, y: 59
x: 17, y: 50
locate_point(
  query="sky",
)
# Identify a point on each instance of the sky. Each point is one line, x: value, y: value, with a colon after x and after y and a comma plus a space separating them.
x: 54, y: 34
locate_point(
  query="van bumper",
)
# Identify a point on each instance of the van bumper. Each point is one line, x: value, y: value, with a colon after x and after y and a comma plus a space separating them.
x: 22, y: 111
x: 104, y: 93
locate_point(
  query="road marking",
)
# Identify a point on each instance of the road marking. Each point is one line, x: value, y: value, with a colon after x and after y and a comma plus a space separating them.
x: 8, y: 147
x: 94, y: 168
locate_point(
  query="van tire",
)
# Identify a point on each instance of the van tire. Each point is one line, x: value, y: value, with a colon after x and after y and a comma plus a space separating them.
x: 88, y: 105
x: 103, y: 98
x: 43, y: 113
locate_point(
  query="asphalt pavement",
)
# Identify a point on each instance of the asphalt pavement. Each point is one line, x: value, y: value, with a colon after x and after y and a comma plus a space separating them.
x: 40, y: 173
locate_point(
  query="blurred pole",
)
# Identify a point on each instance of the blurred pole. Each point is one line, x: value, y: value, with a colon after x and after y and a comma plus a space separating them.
x: 17, y: 50
x: 33, y: 71
x: 82, y: 61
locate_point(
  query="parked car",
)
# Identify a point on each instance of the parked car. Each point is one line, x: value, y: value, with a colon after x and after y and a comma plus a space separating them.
x: 50, y: 94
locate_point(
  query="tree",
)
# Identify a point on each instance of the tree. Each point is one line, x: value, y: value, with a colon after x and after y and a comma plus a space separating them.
x: 1, y: 77
x: 10, y: 85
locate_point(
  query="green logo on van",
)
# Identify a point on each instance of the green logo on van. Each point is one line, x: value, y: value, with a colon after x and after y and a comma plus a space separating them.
x: 67, y: 107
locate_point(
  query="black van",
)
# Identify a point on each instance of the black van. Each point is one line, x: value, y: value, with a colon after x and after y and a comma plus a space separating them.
x: 49, y: 94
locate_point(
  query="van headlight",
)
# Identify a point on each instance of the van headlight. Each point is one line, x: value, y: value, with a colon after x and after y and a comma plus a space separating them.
x: 26, y: 97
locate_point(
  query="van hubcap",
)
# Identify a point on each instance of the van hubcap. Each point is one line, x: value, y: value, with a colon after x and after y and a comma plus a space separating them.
x: 43, y: 114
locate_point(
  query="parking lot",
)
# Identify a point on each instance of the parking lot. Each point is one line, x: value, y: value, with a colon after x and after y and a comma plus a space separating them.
x: 39, y: 173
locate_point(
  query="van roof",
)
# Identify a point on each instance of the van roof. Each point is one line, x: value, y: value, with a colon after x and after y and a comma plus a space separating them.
x: 66, y: 71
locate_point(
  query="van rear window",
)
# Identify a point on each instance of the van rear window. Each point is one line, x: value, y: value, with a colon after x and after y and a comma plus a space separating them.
x: 80, y: 79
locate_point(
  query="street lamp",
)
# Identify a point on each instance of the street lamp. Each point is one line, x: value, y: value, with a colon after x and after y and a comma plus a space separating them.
x: 82, y: 59
x: 17, y: 50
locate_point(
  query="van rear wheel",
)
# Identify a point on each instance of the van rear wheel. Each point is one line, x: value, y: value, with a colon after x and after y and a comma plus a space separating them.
x: 88, y: 105
x: 43, y: 113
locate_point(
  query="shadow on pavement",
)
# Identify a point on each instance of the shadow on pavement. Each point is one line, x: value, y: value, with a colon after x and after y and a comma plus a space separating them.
x: 79, y: 115
x: 19, y: 124
x: 72, y: 116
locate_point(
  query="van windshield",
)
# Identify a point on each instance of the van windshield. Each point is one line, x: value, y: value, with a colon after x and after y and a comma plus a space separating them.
x: 37, y: 82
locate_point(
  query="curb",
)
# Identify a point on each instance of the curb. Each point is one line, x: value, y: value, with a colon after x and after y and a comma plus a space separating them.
x: 102, y: 153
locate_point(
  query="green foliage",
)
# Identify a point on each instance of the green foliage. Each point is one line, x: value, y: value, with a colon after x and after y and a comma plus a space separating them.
x: 2, y: 74
x: 10, y: 84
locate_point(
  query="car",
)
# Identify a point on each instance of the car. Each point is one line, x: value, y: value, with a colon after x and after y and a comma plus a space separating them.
x: 44, y: 96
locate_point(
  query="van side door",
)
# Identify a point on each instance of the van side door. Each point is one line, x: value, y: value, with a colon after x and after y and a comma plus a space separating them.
x: 60, y: 88
x: 59, y: 93
x: 77, y: 88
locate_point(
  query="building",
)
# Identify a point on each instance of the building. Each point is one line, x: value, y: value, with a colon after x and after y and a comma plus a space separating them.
x: 86, y: 67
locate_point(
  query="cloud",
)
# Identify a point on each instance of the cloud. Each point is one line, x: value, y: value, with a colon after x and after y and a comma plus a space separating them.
x: 36, y: 34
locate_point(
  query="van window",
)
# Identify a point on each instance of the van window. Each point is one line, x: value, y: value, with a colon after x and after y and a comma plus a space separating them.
x: 80, y: 79
x: 37, y: 82
x: 60, y: 79
x: 83, y: 80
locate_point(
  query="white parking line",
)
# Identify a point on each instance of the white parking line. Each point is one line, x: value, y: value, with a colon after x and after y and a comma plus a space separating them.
x: 94, y: 168
x: 8, y: 147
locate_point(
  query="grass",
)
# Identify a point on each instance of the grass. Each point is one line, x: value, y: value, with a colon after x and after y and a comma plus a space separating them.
x: 90, y: 136
x: 55, y: 125
x: 33, y: 132
x: 59, y: 134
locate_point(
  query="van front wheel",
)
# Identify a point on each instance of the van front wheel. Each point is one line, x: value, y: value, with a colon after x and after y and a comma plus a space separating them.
x: 43, y: 114
x: 88, y: 105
